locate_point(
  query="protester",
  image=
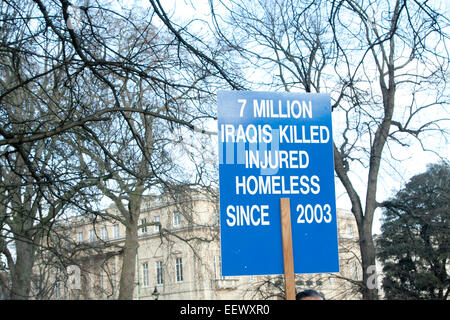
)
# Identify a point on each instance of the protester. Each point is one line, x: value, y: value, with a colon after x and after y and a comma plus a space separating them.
x: 309, y: 295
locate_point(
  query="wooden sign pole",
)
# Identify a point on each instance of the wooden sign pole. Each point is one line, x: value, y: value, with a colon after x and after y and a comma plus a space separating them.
x: 288, y: 257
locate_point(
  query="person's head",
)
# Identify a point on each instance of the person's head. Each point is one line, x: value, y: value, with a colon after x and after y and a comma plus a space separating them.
x: 309, y: 295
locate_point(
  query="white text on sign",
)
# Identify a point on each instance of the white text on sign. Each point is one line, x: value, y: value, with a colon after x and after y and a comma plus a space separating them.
x: 263, y: 152
x: 266, y: 108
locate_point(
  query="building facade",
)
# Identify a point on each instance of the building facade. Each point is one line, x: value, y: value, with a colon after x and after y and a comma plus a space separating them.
x: 178, y: 258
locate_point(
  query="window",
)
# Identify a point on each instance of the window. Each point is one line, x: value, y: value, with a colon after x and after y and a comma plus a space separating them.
x: 113, y: 282
x: 157, y: 219
x: 104, y: 234
x: 179, y: 269
x: 355, y: 270
x: 38, y: 286
x: 159, y: 272
x: 176, y: 219
x: 116, y: 231
x: 216, y: 217
x: 217, y: 268
x: 80, y: 237
x: 350, y: 230
x: 91, y: 236
x: 145, y: 282
x: 102, y: 283
x: 57, y: 290
x: 143, y: 225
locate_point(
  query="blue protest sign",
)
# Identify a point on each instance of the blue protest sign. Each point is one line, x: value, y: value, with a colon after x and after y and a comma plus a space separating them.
x: 272, y: 146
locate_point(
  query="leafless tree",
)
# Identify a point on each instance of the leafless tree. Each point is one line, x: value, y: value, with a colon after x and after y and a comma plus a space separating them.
x: 397, y: 89
x: 385, y: 65
x: 97, y: 88
x: 37, y: 182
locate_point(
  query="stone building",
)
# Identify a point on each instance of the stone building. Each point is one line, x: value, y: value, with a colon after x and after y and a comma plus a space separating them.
x: 178, y: 258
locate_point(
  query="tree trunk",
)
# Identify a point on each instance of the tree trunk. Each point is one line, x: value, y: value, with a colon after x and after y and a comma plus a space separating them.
x: 369, y: 287
x: 364, y: 221
x: 22, y: 271
x: 128, y: 273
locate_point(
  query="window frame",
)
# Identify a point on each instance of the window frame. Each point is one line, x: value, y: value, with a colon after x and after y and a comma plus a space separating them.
x: 159, y: 273
x: 179, y: 269
x: 145, y: 275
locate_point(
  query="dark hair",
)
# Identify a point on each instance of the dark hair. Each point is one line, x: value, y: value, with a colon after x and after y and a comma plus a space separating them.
x: 309, y: 293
